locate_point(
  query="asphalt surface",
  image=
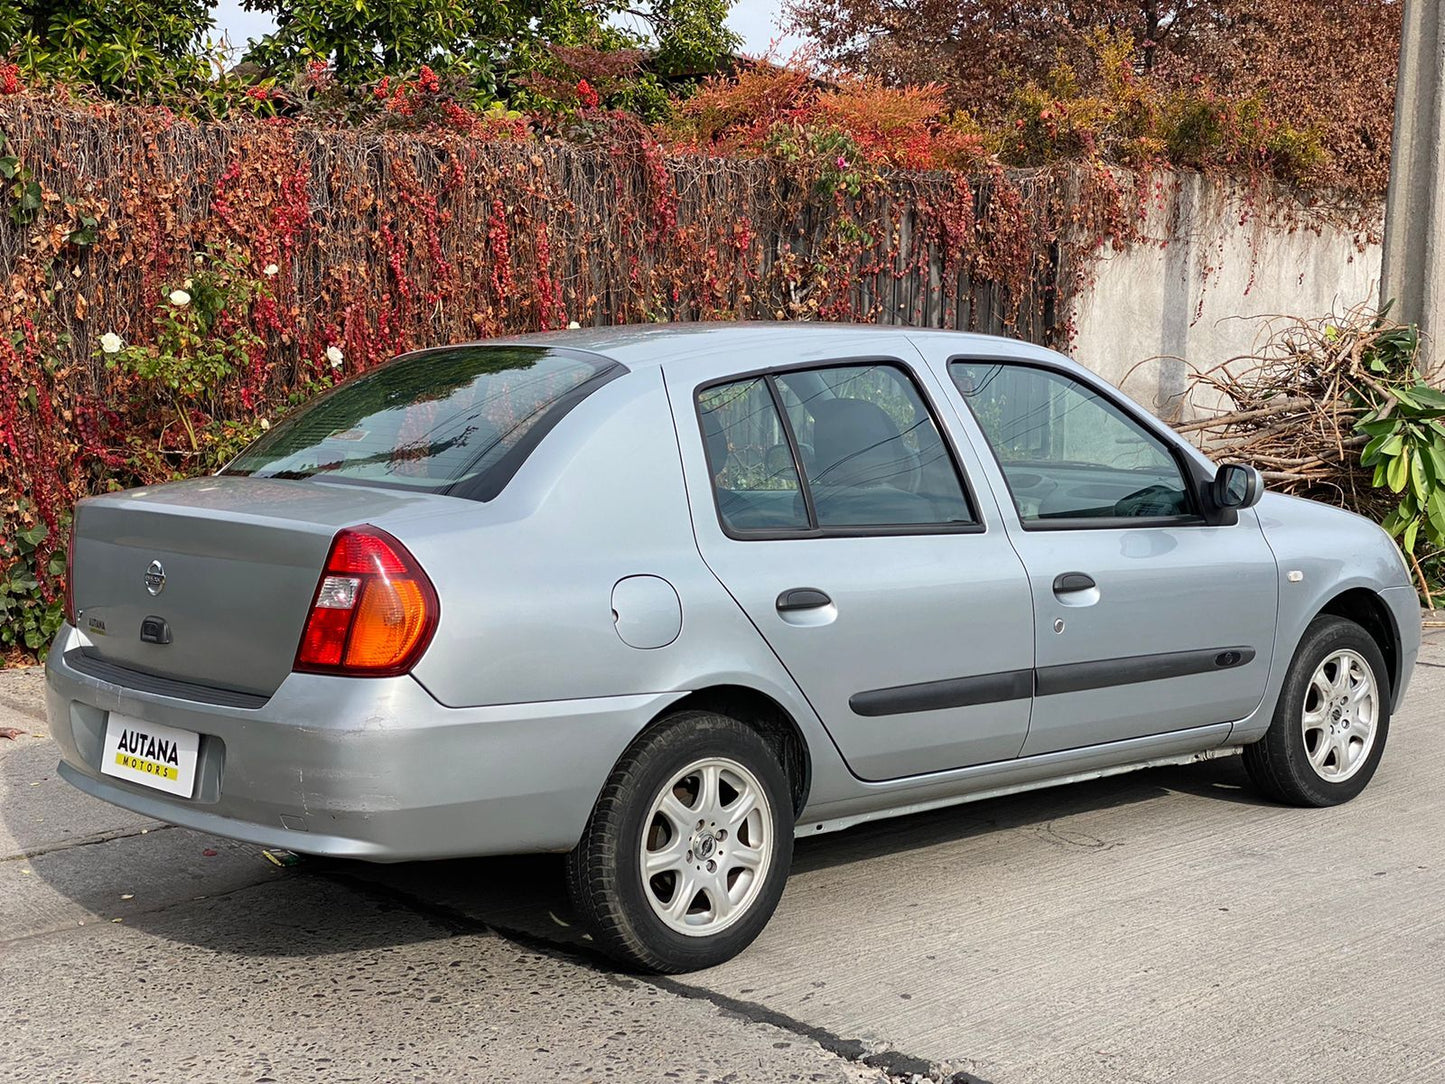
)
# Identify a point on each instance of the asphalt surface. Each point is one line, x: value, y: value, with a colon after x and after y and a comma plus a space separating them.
x: 1161, y: 926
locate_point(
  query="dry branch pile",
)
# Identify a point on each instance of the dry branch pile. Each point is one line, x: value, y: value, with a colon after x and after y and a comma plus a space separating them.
x: 1292, y: 407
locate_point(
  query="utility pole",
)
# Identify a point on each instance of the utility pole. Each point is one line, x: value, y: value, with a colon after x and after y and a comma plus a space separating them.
x: 1413, y: 275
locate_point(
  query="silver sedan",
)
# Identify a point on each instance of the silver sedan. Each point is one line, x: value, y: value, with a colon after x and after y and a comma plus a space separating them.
x: 664, y: 598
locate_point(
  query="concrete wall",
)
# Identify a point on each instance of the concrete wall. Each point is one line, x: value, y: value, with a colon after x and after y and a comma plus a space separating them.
x: 1212, y: 266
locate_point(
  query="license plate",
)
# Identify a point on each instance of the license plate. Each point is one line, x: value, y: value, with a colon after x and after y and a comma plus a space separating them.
x: 152, y: 755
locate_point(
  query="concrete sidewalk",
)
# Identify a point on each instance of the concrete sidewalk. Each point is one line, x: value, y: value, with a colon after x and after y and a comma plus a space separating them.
x: 132, y: 951
x: 1164, y: 926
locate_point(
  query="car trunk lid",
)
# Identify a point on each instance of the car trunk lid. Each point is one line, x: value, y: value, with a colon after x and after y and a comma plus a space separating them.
x: 210, y: 581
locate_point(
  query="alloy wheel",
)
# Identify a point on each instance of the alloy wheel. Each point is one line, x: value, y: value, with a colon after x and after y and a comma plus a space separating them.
x: 1341, y: 709
x: 706, y: 847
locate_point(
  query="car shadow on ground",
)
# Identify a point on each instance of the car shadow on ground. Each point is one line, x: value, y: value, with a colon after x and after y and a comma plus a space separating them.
x: 311, y: 908
x: 1222, y: 778
x: 526, y: 896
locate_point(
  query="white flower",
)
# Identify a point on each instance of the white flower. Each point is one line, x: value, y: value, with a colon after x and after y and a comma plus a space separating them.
x: 110, y: 343
x: 335, y: 356
x: 265, y: 424
x: 200, y: 259
x: 573, y: 326
x: 270, y: 270
x: 186, y: 285
x: 180, y: 298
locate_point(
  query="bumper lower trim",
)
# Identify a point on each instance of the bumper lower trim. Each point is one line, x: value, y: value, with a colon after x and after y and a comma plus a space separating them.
x: 142, y: 682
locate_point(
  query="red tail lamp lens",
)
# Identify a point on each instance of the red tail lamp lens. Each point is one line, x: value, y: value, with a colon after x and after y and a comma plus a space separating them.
x: 374, y: 610
x: 365, y: 551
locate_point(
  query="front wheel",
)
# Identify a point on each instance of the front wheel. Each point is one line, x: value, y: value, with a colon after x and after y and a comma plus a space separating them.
x: 687, y: 851
x: 1330, y: 724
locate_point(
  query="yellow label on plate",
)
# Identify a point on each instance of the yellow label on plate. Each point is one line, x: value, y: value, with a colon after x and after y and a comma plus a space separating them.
x: 150, y: 767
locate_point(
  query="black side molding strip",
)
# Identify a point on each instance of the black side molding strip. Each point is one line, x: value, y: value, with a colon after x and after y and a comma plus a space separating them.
x: 949, y: 693
x: 1048, y: 681
x: 1077, y: 676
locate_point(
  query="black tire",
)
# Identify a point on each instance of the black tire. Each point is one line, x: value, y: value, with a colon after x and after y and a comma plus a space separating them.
x: 1279, y: 763
x: 604, y: 875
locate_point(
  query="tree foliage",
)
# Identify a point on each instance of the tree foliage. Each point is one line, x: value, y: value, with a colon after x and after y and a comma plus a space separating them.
x: 495, y: 43
x: 136, y: 49
x: 691, y: 35
x: 1101, y: 112
x: 1325, y: 65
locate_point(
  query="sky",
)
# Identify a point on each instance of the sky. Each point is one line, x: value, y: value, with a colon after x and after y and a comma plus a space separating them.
x: 755, y: 21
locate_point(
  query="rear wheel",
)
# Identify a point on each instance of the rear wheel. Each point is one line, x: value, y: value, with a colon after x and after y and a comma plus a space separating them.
x: 687, y: 851
x: 1330, y: 724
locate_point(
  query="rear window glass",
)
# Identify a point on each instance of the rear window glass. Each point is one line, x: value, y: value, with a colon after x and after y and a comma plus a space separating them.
x: 455, y: 421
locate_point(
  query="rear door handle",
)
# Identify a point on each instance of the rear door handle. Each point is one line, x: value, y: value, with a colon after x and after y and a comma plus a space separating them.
x: 1068, y: 582
x: 802, y: 598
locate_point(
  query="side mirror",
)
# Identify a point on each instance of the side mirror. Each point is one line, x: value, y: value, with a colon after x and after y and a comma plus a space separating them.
x: 1237, y: 486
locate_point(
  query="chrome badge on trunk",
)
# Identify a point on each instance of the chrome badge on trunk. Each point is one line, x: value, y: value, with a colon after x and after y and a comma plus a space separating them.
x: 155, y: 578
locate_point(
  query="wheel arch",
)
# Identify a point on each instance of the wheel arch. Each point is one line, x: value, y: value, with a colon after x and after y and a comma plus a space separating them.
x: 765, y: 715
x: 1368, y: 610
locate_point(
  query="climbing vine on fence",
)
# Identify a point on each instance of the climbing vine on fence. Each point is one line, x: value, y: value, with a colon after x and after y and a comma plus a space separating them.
x: 171, y: 286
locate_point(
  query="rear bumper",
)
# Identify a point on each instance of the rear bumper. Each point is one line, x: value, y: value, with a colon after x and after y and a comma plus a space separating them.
x: 361, y: 768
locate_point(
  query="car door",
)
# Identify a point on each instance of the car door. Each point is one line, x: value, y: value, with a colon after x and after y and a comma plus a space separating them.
x: 1147, y: 619
x: 830, y: 505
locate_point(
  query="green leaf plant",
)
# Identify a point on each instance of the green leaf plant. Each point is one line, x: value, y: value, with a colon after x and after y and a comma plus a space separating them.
x: 1405, y: 424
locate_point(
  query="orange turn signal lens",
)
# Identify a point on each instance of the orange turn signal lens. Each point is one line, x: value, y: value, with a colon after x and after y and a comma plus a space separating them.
x: 390, y: 619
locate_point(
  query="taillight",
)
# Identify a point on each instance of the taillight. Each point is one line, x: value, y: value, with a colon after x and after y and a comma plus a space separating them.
x: 374, y: 610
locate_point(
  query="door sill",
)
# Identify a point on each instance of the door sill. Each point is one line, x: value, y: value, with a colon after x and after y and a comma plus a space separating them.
x: 1009, y: 777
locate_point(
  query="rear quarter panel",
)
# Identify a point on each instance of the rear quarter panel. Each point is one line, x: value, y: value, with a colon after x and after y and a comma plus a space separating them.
x: 526, y: 580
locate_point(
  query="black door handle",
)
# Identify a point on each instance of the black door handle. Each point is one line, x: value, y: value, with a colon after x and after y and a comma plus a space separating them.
x: 802, y: 598
x: 1065, y: 582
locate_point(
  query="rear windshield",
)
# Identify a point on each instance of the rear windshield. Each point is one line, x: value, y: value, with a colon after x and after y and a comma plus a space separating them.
x: 457, y: 421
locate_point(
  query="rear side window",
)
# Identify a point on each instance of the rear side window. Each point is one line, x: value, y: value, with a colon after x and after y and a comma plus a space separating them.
x: 872, y: 452
x: 846, y: 448
x: 458, y: 421
x: 754, y: 475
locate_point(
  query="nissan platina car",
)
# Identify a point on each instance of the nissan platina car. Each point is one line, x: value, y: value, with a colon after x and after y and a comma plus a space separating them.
x: 664, y: 598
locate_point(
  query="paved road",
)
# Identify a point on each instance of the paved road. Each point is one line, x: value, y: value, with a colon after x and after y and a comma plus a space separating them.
x: 1163, y: 926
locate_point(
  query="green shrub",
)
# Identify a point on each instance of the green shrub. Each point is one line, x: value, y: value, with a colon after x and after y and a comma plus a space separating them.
x: 30, y: 611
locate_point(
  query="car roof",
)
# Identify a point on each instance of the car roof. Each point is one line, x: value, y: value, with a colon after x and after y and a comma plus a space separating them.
x: 693, y: 350
x: 640, y: 346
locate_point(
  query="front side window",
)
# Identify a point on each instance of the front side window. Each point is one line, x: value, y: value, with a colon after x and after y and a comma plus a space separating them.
x: 451, y: 420
x: 858, y: 449
x: 1068, y: 453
